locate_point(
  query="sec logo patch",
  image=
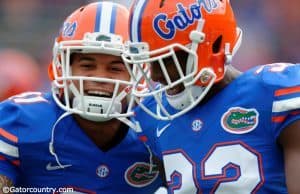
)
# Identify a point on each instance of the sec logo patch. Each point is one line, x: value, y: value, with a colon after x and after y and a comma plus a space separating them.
x: 102, y: 171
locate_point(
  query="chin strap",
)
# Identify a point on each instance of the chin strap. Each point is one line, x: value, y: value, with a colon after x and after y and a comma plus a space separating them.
x: 133, y: 125
x: 51, y: 144
x: 196, y: 36
x: 228, y: 55
x: 150, y: 158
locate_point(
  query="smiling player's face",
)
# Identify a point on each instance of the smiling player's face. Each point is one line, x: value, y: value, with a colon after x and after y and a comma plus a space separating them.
x: 101, y: 66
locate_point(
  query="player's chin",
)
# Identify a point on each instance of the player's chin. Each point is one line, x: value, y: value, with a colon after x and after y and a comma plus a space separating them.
x: 175, y: 90
x: 124, y: 103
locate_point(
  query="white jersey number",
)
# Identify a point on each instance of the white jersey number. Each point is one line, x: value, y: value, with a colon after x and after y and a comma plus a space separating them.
x: 28, y: 98
x: 181, y: 170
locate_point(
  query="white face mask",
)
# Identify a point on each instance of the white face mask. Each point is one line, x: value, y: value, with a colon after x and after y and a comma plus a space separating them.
x: 92, y: 108
x: 182, y: 102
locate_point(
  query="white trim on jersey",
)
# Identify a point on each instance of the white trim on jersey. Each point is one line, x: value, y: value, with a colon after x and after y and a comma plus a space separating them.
x: 286, y: 105
x: 8, y: 149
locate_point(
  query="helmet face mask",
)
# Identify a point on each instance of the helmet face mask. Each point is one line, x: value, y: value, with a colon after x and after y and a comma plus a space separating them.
x: 172, y: 74
x: 205, y: 30
x: 85, y: 33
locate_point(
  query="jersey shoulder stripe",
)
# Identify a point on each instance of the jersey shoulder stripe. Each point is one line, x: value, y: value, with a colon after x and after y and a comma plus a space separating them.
x: 8, y: 149
x: 286, y: 105
x: 282, y: 118
x: 8, y: 136
x: 287, y: 91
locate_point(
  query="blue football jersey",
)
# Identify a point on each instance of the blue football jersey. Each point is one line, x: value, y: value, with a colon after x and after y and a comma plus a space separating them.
x: 26, y: 128
x: 229, y: 144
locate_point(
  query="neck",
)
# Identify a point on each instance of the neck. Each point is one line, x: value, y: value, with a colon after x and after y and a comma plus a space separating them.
x: 104, y: 134
x: 230, y: 75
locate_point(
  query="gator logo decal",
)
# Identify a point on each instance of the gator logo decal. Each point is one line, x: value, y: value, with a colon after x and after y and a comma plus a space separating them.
x: 138, y: 175
x: 239, y: 120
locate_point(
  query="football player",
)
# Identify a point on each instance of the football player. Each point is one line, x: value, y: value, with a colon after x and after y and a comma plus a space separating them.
x: 76, y: 137
x: 19, y: 72
x: 220, y: 130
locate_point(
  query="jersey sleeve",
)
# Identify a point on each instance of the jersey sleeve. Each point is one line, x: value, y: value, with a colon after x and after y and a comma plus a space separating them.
x: 283, y: 81
x: 9, y: 148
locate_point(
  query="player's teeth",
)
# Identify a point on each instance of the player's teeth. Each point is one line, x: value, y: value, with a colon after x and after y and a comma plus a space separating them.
x: 99, y: 93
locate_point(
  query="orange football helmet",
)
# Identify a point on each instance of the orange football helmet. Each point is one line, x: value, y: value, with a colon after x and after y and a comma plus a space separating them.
x: 19, y: 72
x: 203, y: 32
x: 100, y: 27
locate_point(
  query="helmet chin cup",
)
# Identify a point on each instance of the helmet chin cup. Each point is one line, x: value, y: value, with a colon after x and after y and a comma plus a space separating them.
x: 91, y: 107
x: 183, y: 101
x: 185, y: 98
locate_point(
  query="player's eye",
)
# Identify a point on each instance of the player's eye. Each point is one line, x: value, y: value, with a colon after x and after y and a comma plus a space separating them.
x: 87, y: 65
x: 118, y: 67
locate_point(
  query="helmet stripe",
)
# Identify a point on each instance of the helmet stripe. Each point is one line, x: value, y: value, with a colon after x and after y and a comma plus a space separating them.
x: 104, y: 11
x: 130, y: 22
x: 98, y: 17
x: 135, y: 23
x: 113, y: 19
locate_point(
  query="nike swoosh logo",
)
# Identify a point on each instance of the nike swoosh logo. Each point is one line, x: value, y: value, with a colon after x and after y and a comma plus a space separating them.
x: 160, y: 131
x: 50, y: 167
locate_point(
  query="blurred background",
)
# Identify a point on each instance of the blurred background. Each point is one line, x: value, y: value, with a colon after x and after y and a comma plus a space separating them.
x: 28, y: 28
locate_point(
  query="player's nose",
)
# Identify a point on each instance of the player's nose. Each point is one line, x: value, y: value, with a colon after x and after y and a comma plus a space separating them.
x: 101, y: 72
